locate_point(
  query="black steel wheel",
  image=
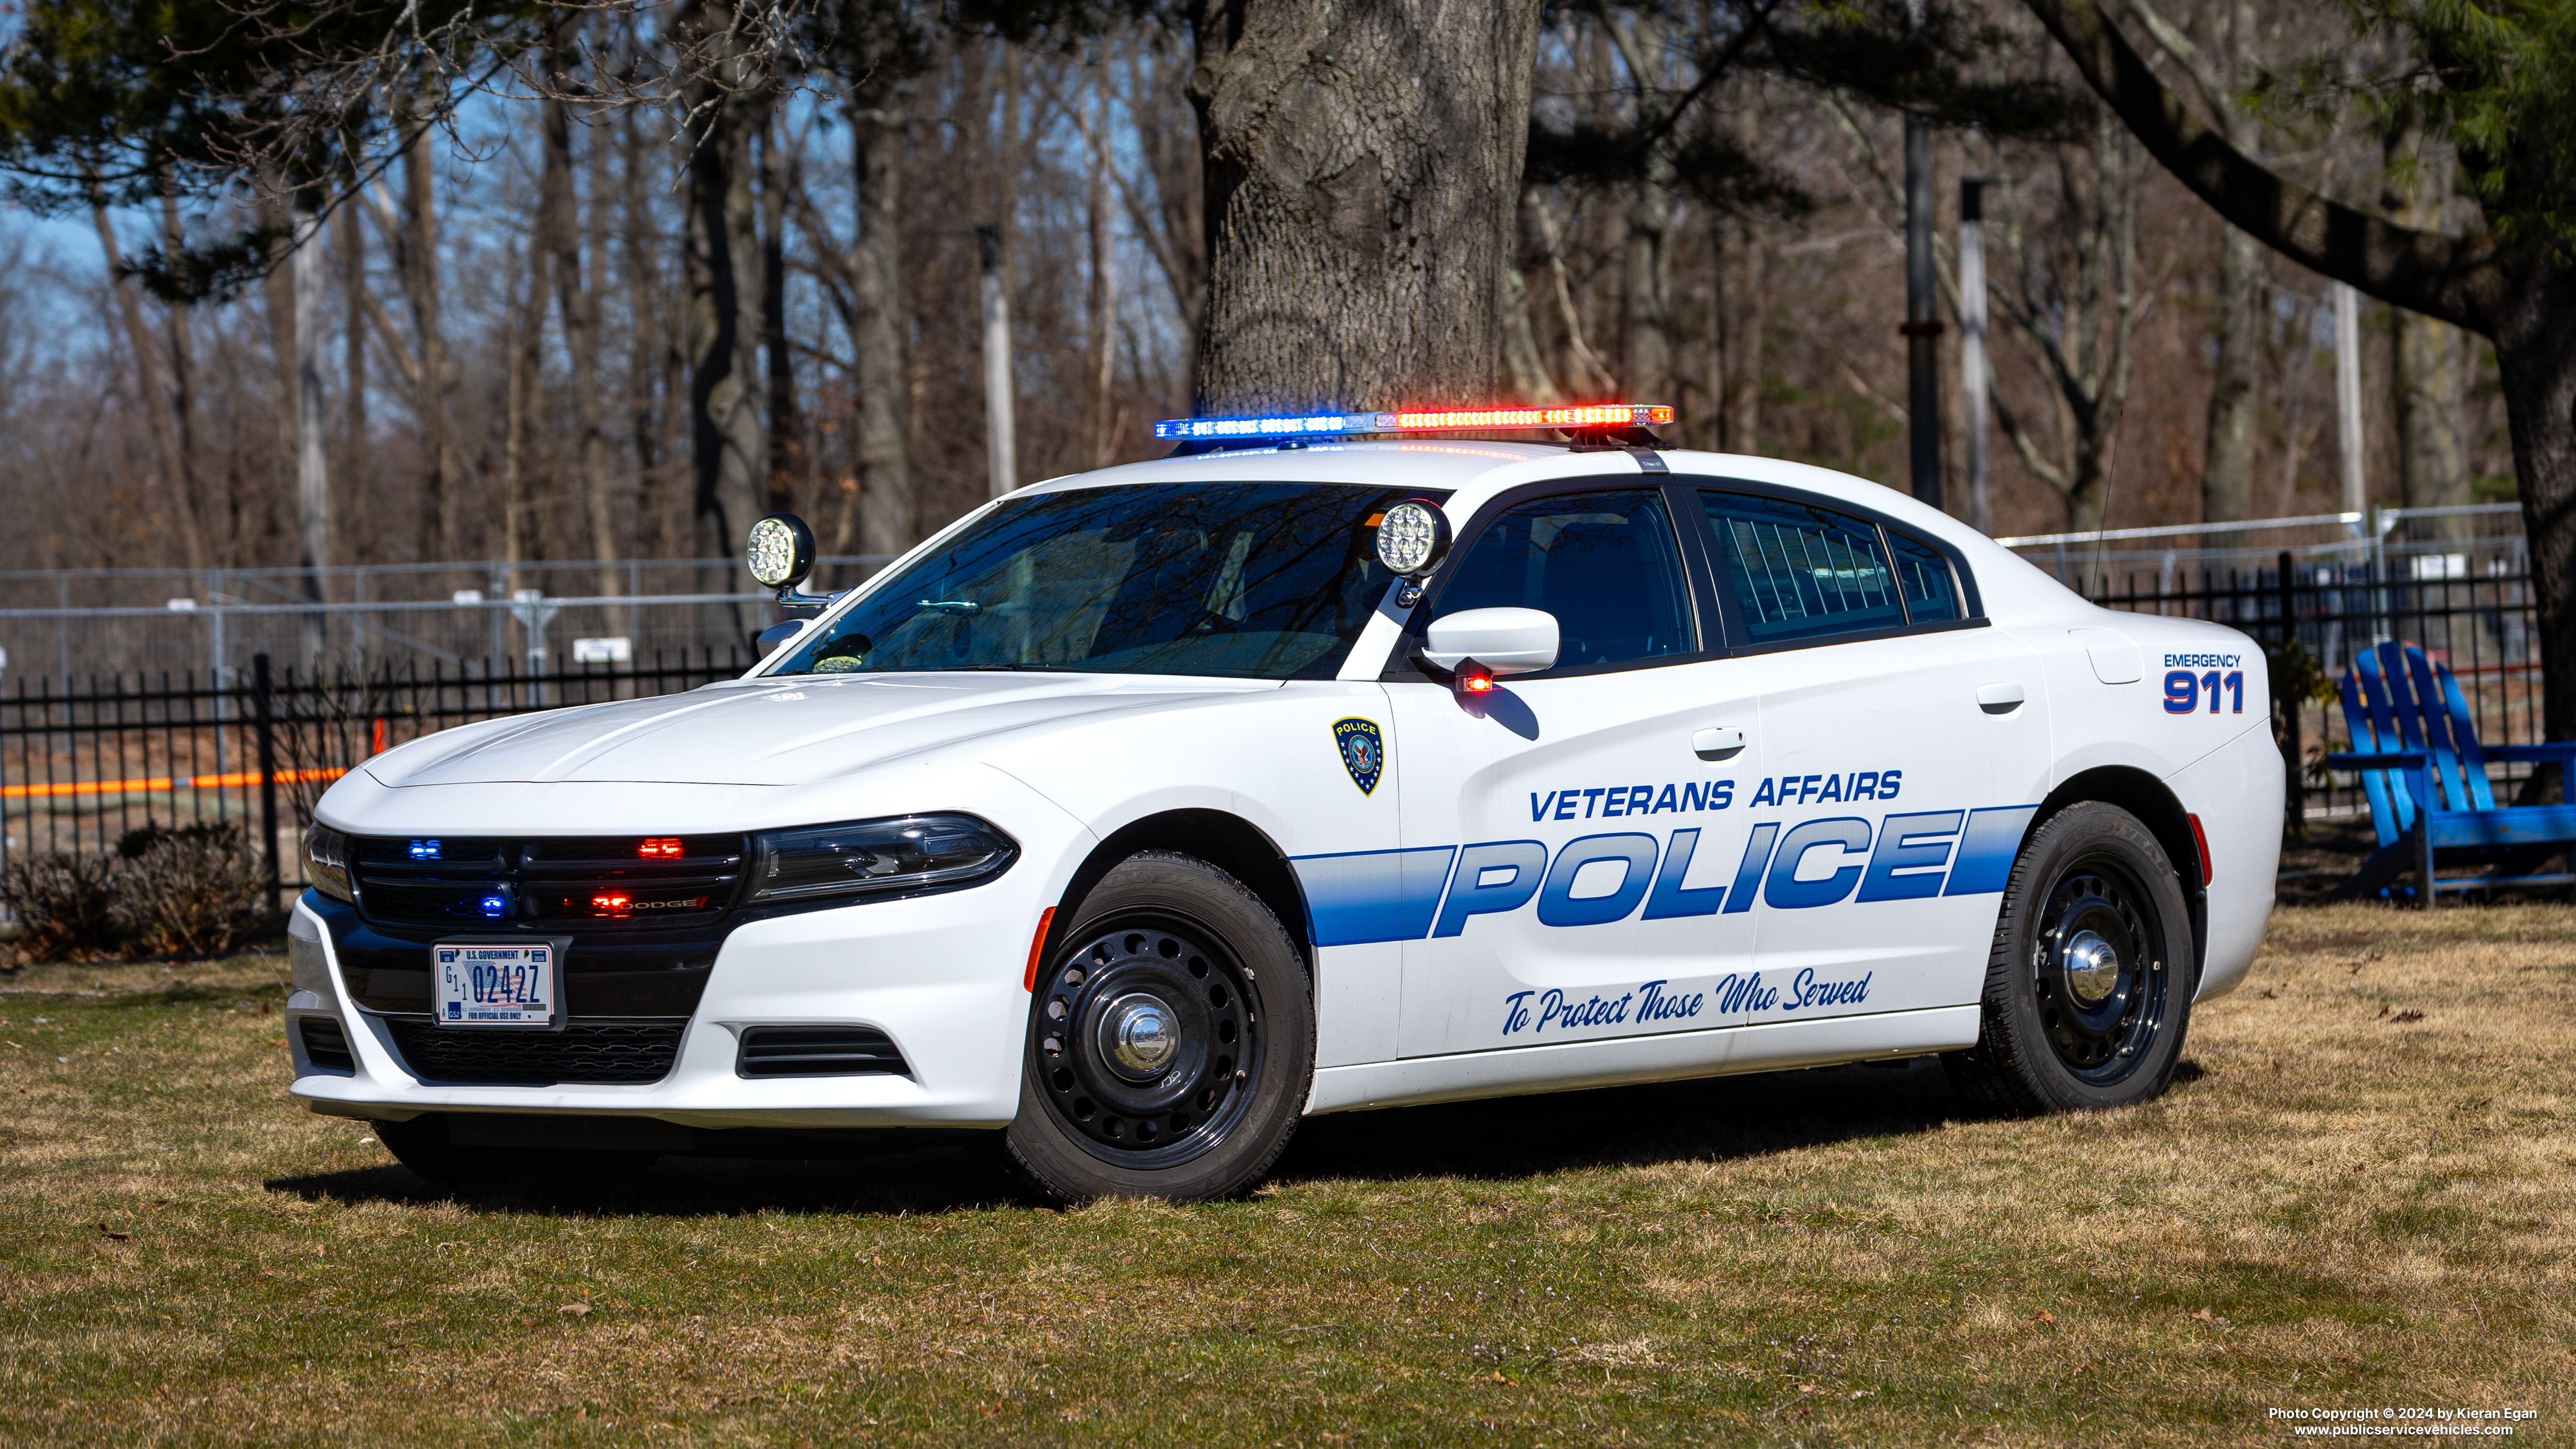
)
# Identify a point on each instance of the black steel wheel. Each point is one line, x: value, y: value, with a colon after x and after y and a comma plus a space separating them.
x: 2089, y: 983
x: 1171, y: 1040
x: 2095, y: 971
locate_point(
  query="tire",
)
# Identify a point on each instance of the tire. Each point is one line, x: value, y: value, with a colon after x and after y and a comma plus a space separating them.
x: 2089, y: 985
x: 421, y: 1144
x: 1171, y: 1041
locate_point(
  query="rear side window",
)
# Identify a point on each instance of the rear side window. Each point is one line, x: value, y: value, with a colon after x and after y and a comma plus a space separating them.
x: 1606, y: 564
x: 1803, y: 572
x: 1923, y: 577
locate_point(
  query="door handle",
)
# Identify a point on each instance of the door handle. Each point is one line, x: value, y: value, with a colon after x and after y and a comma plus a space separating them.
x: 1722, y: 743
x: 2000, y: 698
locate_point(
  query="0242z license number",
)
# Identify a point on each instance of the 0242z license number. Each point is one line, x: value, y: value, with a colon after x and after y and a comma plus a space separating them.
x: 477, y: 985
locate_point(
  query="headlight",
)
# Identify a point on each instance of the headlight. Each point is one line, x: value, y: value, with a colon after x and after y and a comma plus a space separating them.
x: 326, y: 862
x: 877, y: 857
x: 1411, y: 537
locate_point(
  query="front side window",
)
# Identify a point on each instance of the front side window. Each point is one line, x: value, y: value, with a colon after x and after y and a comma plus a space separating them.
x: 1802, y: 572
x: 1245, y: 580
x: 1606, y: 564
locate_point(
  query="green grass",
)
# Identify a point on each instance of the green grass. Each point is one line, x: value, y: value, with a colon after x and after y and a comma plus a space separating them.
x: 2335, y: 1208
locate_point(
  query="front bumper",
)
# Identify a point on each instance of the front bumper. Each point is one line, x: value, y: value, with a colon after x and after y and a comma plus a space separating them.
x: 941, y: 975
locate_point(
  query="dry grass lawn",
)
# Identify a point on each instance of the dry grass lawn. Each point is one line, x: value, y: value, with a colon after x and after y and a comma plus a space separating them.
x: 2364, y: 1194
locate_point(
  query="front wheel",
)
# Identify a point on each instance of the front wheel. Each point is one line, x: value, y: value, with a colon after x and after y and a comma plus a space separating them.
x: 2089, y: 985
x: 1171, y: 1041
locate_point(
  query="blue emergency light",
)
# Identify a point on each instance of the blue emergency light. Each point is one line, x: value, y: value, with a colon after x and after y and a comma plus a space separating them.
x: 1338, y: 425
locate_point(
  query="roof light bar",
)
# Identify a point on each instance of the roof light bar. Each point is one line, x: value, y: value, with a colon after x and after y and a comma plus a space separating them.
x: 1332, y: 425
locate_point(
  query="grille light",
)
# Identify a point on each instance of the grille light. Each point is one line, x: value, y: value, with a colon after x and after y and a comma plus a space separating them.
x: 424, y: 850
x: 496, y: 906
x: 609, y: 905
x: 1335, y: 425
x: 661, y: 847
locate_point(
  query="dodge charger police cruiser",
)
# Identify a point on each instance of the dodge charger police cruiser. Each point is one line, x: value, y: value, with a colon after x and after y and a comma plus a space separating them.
x: 1331, y: 763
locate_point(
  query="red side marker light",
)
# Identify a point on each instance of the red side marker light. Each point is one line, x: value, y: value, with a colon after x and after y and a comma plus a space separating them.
x: 2200, y: 838
x: 661, y: 847
x: 1037, y: 948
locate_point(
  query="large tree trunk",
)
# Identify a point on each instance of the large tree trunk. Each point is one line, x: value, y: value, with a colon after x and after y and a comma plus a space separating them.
x: 724, y: 306
x: 878, y: 324
x: 1362, y: 164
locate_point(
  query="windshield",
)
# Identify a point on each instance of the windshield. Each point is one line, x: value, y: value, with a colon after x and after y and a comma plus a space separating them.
x: 1248, y: 580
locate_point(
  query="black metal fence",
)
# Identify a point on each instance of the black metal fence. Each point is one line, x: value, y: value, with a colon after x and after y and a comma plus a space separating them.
x: 2471, y: 610
x: 84, y: 762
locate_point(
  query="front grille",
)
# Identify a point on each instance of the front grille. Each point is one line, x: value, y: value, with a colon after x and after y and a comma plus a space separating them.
x: 326, y: 1047
x: 818, y: 1051
x: 584, y: 1051
x: 567, y: 882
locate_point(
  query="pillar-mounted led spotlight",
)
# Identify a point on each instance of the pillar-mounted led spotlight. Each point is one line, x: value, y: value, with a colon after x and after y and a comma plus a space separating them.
x: 1412, y: 538
x: 780, y: 554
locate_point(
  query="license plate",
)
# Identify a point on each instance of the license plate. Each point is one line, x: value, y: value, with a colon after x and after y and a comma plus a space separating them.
x: 473, y: 985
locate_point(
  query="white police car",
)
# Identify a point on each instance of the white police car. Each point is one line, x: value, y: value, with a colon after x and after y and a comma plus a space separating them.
x: 1140, y: 813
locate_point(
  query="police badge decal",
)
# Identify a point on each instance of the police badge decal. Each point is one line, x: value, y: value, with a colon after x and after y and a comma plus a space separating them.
x: 1363, y: 751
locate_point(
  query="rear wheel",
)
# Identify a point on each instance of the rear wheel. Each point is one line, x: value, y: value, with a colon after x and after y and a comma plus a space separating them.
x: 1171, y: 1041
x: 2089, y: 986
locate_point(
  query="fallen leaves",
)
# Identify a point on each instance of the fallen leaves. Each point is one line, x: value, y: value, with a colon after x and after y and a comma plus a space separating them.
x: 577, y: 1310
x: 2212, y: 1319
x: 2409, y: 1014
x: 112, y: 1235
x: 2042, y: 1316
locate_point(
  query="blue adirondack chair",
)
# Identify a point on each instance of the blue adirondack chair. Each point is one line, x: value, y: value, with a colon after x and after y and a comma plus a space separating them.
x: 2412, y: 737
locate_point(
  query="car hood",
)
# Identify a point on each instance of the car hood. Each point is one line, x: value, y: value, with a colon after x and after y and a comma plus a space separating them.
x: 776, y: 732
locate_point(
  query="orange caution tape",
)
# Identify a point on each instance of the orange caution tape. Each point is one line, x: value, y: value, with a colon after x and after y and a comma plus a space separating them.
x: 194, y: 782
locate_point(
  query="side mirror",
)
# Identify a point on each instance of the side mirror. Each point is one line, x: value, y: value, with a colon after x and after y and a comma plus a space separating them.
x: 1505, y: 641
x: 778, y: 636
x: 780, y: 551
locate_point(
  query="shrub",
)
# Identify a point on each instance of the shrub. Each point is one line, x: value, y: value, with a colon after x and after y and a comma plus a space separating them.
x: 191, y: 891
x: 66, y: 906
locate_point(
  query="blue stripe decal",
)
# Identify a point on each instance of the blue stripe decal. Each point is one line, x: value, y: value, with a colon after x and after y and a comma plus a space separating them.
x: 1369, y: 896
x: 1987, y: 849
